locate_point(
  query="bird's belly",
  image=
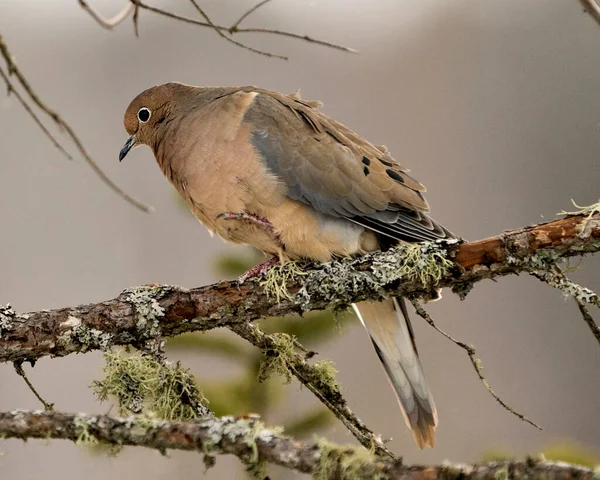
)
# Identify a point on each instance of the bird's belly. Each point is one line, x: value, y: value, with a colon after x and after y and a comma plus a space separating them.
x: 284, y: 228
x: 308, y: 234
x: 219, y: 217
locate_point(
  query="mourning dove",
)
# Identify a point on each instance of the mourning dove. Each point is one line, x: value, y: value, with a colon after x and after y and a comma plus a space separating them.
x: 270, y: 170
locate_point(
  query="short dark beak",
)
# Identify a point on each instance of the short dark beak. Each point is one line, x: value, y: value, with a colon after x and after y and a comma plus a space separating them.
x: 128, y: 145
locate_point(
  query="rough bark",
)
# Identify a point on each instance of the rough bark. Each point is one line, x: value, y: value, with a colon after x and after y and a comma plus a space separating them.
x: 254, y: 444
x: 141, y: 314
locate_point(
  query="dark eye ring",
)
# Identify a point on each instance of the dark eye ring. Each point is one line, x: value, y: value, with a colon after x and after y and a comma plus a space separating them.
x: 143, y: 115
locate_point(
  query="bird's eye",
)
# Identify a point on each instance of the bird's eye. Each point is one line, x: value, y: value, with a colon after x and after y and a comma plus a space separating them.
x: 143, y: 115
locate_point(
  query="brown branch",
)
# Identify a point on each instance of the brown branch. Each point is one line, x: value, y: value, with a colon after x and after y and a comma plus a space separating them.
x: 140, y: 314
x: 592, y: 8
x: 476, y: 362
x: 254, y: 444
x: 231, y: 40
x: 13, y: 91
x: 233, y: 29
x: 247, y: 13
x: 13, y: 69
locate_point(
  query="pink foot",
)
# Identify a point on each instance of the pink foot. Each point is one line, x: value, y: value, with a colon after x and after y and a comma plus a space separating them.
x: 258, y: 270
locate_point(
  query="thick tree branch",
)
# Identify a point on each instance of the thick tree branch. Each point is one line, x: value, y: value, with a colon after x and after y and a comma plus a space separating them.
x: 141, y: 314
x: 254, y: 444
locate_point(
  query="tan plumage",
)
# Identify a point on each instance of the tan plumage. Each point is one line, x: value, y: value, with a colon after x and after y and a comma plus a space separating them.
x: 270, y: 170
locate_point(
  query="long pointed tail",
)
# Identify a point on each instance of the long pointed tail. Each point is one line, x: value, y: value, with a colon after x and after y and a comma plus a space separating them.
x: 388, y: 325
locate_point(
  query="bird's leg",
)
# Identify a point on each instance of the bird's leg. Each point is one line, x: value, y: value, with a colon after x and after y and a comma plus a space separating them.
x: 267, y: 226
x: 257, y: 270
x: 249, y: 217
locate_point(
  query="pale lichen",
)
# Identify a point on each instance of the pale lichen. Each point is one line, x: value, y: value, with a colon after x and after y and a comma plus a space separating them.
x: 277, y: 357
x: 326, y: 373
x: 278, y: 276
x: 501, y: 473
x: 82, y: 427
x: 424, y: 265
x: 7, y: 314
x: 145, y: 302
x: 346, y: 463
x: 89, y: 338
x: 142, y: 384
x: 589, y: 210
x: 234, y: 430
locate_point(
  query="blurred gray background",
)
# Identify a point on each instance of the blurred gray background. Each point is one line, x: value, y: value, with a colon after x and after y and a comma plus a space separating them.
x: 495, y: 106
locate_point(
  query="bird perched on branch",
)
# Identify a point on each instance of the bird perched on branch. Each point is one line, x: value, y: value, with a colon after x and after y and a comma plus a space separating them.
x: 270, y: 170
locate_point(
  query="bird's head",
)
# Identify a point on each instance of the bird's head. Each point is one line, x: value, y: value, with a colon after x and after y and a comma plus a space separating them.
x: 147, y: 113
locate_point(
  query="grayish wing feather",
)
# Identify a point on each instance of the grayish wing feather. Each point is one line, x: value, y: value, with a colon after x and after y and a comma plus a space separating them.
x: 327, y: 166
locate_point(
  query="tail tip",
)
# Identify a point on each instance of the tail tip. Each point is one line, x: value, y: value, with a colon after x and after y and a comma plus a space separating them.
x: 424, y: 436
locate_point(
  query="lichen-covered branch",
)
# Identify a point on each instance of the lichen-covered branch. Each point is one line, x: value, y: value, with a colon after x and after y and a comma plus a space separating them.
x: 140, y: 314
x: 318, y: 378
x: 255, y: 445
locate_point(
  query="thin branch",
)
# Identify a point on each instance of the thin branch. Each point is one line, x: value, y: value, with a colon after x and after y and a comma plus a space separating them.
x: 136, y: 20
x: 13, y: 69
x: 21, y: 372
x: 246, y: 14
x: 476, y: 362
x: 589, y: 320
x: 555, y: 278
x: 181, y: 18
x: 12, y: 90
x: 253, y: 444
x: 591, y: 7
x: 231, y: 40
x: 174, y: 310
x: 327, y: 392
x: 109, y: 23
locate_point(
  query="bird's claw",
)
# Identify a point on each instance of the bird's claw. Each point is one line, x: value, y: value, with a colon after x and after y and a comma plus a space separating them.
x: 258, y: 270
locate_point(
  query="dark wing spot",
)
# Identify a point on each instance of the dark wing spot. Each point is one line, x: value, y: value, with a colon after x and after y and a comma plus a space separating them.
x: 394, y: 174
x: 366, y: 171
x: 366, y: 161
x: 386, y: 163
x: 420, y: 195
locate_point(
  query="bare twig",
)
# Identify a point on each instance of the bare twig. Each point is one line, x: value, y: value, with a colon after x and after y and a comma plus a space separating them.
x: 109, y: 23
x: 246, y: 14
x: 282, y: 33
x: 12, y: 90
x: 591, y: 7
x: 327, y: 392
x: 476, y: 362
x: 136, y: 20
x: 231, y: 40
x: 589, y: 320
x: 253, y: 443
x: 13, y: 69
x: 21, y: 372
